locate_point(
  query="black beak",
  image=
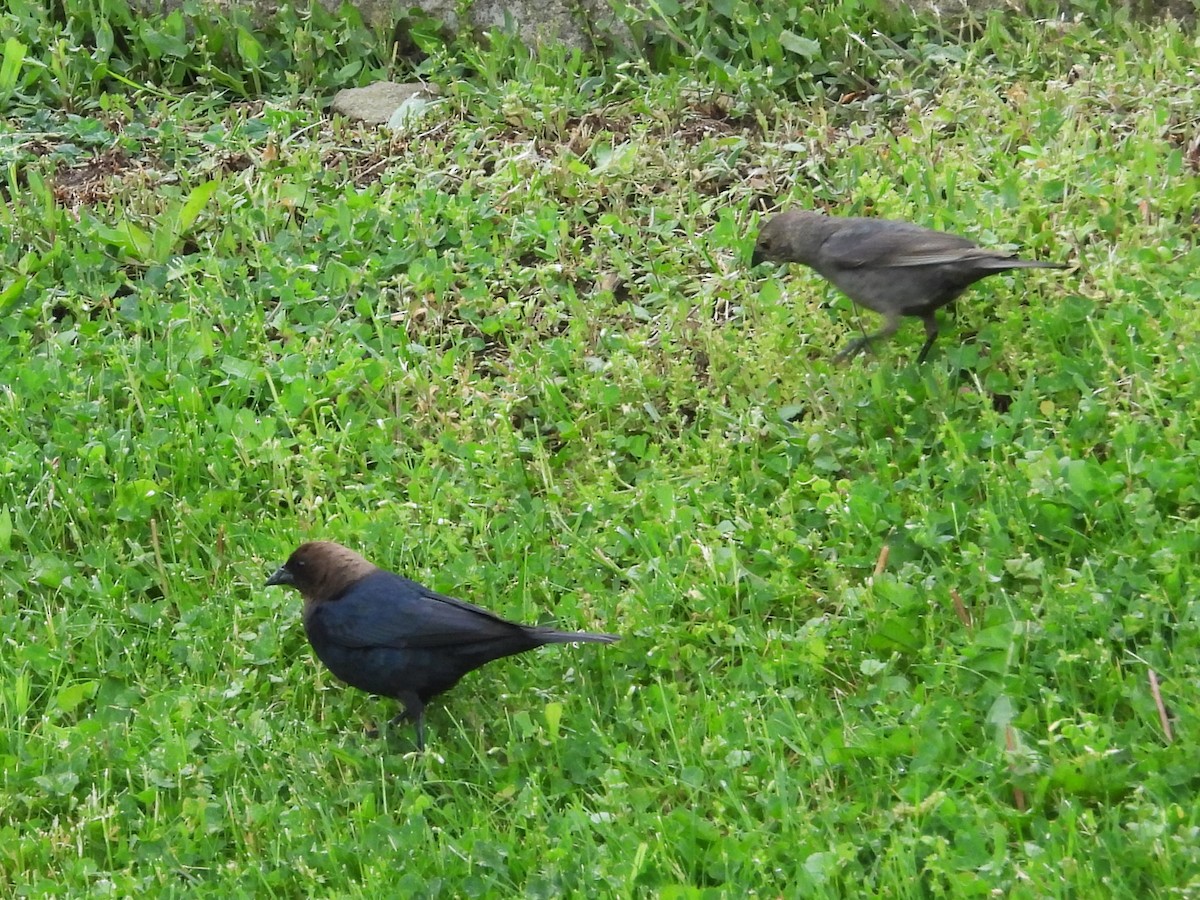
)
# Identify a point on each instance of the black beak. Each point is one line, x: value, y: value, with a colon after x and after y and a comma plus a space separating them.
x: 757, y: 258
x: 281, y: 576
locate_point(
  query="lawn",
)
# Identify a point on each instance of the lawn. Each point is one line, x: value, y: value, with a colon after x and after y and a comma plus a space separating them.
x: 887, y: 630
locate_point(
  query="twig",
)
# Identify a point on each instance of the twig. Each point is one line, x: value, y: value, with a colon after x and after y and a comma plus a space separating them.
x: 1163, y: 718
x: 162, y: 570
x: 1010, y: 742
x: 960, y: 609
x: 882, y: 561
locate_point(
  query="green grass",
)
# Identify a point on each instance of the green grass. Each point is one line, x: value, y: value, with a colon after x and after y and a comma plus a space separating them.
x: 518, y: 355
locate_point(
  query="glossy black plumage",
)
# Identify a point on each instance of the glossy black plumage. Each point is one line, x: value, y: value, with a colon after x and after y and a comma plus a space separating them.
x: 388, y: 635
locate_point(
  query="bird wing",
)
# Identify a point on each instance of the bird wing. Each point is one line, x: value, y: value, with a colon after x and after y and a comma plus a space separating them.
x: 896, y: 244
x: 388, y: 610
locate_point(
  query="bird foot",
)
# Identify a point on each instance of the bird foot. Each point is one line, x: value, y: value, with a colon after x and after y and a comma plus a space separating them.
x: 852, y: 349
x: 418, y: 720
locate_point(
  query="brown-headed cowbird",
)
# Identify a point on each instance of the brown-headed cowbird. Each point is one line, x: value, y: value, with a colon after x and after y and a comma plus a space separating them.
x: 895, y: 268
x: 387, y: 635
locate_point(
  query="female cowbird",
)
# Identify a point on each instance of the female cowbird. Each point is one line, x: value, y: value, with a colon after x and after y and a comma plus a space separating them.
x: 895, y: 268
x: 384, y: 634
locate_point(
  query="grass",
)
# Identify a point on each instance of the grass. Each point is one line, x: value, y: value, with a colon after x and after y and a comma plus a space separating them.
x: 517, y: 354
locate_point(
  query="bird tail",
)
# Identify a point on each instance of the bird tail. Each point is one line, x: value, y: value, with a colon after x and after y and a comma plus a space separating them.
x: 551, y: 636
x: 1036, y: 264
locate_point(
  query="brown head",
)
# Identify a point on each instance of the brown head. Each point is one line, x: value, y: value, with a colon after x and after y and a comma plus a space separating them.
x: 793, y: 236
x: 321, y: 570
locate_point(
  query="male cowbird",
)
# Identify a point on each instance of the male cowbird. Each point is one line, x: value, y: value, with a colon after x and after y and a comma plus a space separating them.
x: 895, y: 268
x: 387, y: 635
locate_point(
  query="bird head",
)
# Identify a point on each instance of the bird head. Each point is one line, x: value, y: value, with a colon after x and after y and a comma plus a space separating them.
x: 793, y: 236
x: 321, y: 570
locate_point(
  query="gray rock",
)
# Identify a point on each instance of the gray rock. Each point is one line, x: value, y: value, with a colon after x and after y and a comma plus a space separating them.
x: 958, y: 10
x: 377, y: 103
x: 410, y: 113
x: 591, y: 24
x: 580, y: 24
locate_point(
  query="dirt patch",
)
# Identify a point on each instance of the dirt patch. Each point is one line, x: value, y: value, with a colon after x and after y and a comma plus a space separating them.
x: 709, y: 119
x: 695, y: 123
x: 229, y: 163
x: 1189, y: 144
x: 364, y: 166
x: 93, y: 181
x: 369, y: 153
x: 582, y: 132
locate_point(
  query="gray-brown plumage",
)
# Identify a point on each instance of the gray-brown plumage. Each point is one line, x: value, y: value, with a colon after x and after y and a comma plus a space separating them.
x: 894, y: 268
x: 382, y: 633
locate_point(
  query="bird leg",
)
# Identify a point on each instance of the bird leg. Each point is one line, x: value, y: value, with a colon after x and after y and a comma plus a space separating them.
x: 414, y: 711
x: 931, y: 333
x: 856, y: 346
x: 420, y: 723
